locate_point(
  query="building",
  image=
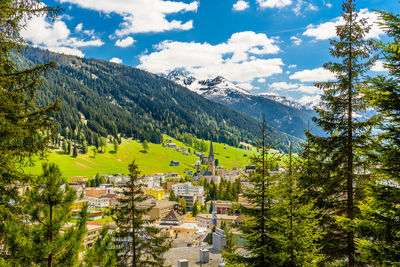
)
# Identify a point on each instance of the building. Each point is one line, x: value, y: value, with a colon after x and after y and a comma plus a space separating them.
x: 78, y: 179
x: 95, y: 192
x: 92, y: 214
x: 224, y: 206
x: 101, y: 202
x: 172, y: 218
x: 205, y: 220
x: 159, y: 209
x: 184, y: 151
x: 211, y: 161
x: 174, y: 163
x: 187, y: 188
x: 77, y: 205
x: 93, y: 232
x: 171, y: 145
x: 156, y: 193
x: 190, y: 199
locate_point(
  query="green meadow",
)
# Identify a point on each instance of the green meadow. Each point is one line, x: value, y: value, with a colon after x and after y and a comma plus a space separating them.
x: 155, y: 160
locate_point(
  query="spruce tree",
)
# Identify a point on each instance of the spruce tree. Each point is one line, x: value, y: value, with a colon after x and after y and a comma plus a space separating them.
x: 299, y: 230
x: 380, y: 222
x: 136, y: 239
x: 339, y: 164
x: 260, y: 228
x: 43, y: 237
x: 26, y: 128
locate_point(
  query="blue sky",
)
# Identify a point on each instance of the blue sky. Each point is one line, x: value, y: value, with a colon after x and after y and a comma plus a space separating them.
x: 276, y: 46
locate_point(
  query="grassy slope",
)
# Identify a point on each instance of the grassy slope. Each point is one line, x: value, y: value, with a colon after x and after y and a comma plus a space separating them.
x: 156, y: 160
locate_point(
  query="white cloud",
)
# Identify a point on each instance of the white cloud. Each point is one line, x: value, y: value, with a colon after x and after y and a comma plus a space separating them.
x: 240, y: 59
x: 296, y: 40
x: 314, y: 75
x: 379, y: 66
x: 292, y: 66
x: 142, y: 15
x: 327, y: 30
x: 293, y: 87
x: 329, y: 5
x: 116, y: 60
x: 274, y: 3
x: 79, y: 27
x: 240, y: 5
x: 128, y: 41
x: 261, y: 80
x: 56, y: 36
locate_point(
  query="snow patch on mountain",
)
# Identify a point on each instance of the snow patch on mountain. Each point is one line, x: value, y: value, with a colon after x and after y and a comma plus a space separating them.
x: 221, y: 88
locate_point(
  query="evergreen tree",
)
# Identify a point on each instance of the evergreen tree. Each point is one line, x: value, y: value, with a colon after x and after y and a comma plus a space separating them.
x: 299, y: 226
x: 380, y: 222
x: 101, y: 253
x: 195, y: 209
x: 43, y: 237
x: 136, y: 240
x: 260, y: 228
x: 182, y: 202
x: 145, y: 145
x: 26, y: 128
x: 337, y: 156
x: 172, y: 196
x: 116, y: 145
x: 75, y: 152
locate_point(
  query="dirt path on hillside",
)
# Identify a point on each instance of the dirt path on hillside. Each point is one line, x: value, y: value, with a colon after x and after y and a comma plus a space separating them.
x: 83, y: 166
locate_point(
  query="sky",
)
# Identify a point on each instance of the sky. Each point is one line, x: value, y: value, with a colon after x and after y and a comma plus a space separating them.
x: 273, y: 46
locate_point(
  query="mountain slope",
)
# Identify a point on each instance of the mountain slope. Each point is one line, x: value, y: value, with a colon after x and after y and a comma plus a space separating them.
x: 101, y: 98
x: 281, y: 113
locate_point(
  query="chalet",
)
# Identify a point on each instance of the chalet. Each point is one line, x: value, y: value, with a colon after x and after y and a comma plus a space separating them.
x: 174, y: 163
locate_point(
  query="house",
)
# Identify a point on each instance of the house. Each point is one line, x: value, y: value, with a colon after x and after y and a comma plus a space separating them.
x: 171, y: 145
x: 168, y: 141
x: 156, y: 193
x: 174, y: 163
x: 190, y: 199
x: 187, y: 188
x: 184, y: 151
x: 77, y: 205
x: 78, y: 179
x: 95, y: 192
x: 159, y: 209
x: 205, y: 220
x: 172, y: 218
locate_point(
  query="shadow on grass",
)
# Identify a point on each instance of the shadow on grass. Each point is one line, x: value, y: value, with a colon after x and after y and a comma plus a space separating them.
x: 143, y: 151
x: 112, y: 152
x: 61, y: 153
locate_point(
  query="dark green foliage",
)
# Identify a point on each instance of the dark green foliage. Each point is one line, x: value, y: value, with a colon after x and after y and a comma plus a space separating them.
x: 380, y: 222
x: 260, y: 228
x: 75, y: 152
x: 172, y: 196
x: 338, y: 171
x: 26, y: 128
x: 118, y: 99
x: 43, y: 237
x: 102, y: 252
x: 135, y: 240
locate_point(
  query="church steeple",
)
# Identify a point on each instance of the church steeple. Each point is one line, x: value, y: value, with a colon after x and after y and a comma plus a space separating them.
x: 214, y: 214
x: 211, y: 160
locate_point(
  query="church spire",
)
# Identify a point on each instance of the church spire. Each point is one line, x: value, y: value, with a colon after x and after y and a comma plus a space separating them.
x: 211, y: 160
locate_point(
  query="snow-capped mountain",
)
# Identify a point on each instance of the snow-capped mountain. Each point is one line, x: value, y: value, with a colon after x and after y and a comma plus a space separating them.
x: 282, y: 113
x: 284, y: 100
x: 220, y: 87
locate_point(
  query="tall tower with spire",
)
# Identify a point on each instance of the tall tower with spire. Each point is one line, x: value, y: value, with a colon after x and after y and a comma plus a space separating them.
x: 214, y: 215
x: 211, y: 160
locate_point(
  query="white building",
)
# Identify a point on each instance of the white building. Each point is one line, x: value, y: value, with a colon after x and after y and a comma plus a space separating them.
x: 187, y: 188
x: 98, y: 202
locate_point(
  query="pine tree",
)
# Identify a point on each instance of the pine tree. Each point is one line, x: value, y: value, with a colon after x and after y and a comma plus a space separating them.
x: 171, y: 196
x: 195, y: 209
x: 75, y: 152
x: 42, y: 237
x: 260, y: 228
x: 339, y: 162
x: 145, y: 145
x: 115, y: 145
x: 136, y: 240
x: 299, y: 226
x: 182, y: 202
x: 101, y: 253
x: 26, y: 128
x: 380, y: 222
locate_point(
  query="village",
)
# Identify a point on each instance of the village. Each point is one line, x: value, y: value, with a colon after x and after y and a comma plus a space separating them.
x: 192, y: 218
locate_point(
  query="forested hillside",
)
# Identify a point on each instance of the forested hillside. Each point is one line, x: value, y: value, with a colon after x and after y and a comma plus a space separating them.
x: 100, y: 98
